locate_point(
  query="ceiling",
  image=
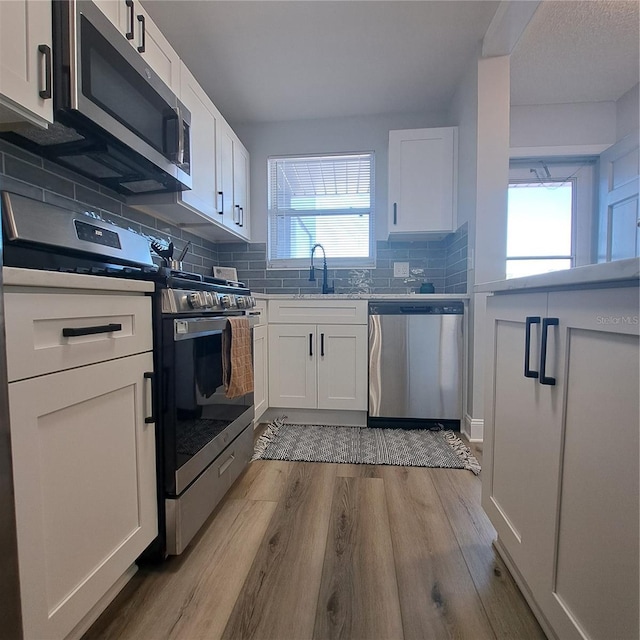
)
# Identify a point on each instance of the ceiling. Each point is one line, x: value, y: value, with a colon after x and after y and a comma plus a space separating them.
x: 272, y: 60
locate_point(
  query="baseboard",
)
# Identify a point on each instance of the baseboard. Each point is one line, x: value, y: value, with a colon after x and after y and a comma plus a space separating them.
x: 317, y: 416
x: 473, y: 428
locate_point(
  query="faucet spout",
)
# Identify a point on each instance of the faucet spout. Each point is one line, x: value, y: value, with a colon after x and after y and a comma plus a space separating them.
x: 325, y: 276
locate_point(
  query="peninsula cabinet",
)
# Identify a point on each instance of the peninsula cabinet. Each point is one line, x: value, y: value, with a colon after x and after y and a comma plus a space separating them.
x: 25, y: 56
x: 318, y: 366
x: 560, y: 476
x: 83, y: 445
x: 422, y: 182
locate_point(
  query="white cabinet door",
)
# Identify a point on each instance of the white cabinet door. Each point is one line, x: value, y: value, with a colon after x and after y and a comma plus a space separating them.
x: 260, y: 370
x: 25, y: 54
x: 342, y: 367
x: 522, y: 435
x: 225, y: 175
x: 591, y: 555
x: 422, y: 181
x: 292, y: 366
x: 241, y: 187
x: 85, y: 489
x: 203, y: 195
x: 141, y: 31
x: 233, y: 181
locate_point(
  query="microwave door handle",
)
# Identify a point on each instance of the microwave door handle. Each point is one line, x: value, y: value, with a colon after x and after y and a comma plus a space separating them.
x: 180, y: 127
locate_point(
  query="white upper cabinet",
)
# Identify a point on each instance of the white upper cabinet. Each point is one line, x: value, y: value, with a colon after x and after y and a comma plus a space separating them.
x: 205, y: 123
x: 25, y: 62
x: 143, y: 34
x: 422, y: 181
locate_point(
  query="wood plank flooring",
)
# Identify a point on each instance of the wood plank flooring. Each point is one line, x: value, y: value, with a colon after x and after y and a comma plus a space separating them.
x: 320, y: 551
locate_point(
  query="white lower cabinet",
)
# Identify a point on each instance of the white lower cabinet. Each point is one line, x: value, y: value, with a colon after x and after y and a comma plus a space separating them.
x: 318, y: 366
x: 260, y: 371
x: 560, y: 477
x: 83, y: 451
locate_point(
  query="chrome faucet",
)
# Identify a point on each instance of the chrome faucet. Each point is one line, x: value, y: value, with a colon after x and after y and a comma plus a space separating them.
x: 312, y: 276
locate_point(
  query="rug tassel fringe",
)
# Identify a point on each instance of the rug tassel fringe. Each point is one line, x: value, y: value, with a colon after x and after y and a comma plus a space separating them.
x: 463, y: 452
x: 267, y: 437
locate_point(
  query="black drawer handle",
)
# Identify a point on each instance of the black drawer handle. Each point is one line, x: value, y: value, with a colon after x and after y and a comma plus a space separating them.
x: 529, y: 373
x: 142, y: 47
x: 311, y: 344
x: 45, y: 50
x: 322, y: 344
x: 150, y: 375
x: 72, y: 332
x: 546, y: 323
x: 221, y: 194
x: 129, y: 34
x: 395, y: 213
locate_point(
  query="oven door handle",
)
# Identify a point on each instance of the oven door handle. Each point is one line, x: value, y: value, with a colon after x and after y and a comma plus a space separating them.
x: 190, y: 328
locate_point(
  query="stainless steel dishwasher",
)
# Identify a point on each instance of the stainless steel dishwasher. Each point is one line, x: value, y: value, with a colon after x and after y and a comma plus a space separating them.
x: 415, y: 363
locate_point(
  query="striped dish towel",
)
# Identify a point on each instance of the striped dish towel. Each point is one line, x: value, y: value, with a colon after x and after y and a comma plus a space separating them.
x: 237, y: 363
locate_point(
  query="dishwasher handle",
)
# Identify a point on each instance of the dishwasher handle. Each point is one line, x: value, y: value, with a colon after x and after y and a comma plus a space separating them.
x: 416, y: 308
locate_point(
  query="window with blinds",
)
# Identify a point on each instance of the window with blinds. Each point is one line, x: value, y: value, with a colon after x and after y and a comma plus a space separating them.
x: 321, y: 199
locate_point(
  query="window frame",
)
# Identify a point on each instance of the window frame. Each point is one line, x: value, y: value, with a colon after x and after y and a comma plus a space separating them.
x: 581, y: 171
x: 352, y: 262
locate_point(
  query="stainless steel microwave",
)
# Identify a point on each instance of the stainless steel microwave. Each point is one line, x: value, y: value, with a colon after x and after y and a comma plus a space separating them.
x: 115, y: 121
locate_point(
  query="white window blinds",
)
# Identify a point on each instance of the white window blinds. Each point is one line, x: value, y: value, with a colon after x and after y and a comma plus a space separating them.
x: 321, y: 199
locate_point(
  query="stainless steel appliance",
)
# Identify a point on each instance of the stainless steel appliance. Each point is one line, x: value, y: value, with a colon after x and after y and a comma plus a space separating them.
x: 115, y: 121
x: 415, y: 363
x: 203, y: 439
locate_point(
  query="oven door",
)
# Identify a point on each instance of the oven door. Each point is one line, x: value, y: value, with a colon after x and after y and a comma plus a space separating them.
x: 198, y: 420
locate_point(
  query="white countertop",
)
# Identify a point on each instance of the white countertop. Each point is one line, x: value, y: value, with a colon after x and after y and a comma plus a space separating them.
x: 361, y: 296
x: 606, y: 273
x: 13, y: 276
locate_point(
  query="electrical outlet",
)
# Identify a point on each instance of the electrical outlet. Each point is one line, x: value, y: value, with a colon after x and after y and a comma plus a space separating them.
x: 400, y: 269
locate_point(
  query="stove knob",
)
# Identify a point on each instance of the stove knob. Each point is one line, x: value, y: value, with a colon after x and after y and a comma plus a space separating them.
x: 207, y: 299
x: 195, y: 300
x: 252, y: 302
x: 241, y: 302
x: 216, y: 301
x: 225, y: 301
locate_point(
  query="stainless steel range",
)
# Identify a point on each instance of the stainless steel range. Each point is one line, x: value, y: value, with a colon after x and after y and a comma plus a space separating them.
x: 204, y: 438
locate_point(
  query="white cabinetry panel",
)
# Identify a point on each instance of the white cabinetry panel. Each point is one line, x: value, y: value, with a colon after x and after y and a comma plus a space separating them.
x: 84, y: 472
x: 25, y: 26
x: 422, y: 181
x: 560, y: 480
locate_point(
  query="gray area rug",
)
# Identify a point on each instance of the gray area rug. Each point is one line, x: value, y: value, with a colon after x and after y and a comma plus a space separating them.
x: 364, y: 445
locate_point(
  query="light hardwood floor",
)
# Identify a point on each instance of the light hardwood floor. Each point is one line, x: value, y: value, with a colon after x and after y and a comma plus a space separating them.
x: 304, y: 550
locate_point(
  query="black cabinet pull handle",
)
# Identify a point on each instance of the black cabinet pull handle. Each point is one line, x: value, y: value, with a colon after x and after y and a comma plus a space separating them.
x: 242, y: 216
x: 544, y: 378
x: 311, y: 344
x: 529, y: 373
x: 150, y: 375
x: 238, y: 219
x: 322, y: 344
x: 221, y: 194
x: 395, y: 213
x: 129, y: 34
x: 72, y: 332
x: 45, y: 50
x: 141, y: 48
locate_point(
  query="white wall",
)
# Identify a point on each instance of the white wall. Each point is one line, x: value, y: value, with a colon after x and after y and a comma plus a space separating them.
x: 627, y: 113
x: 366, y: 133
x: 575, y: 127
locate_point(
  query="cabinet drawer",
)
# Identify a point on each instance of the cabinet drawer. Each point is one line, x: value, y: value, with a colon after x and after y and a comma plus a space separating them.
x: 330, y: 311
x: 36, y: 324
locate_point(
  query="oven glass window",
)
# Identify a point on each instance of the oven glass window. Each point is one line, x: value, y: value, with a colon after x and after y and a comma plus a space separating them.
x: 202, y: 411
